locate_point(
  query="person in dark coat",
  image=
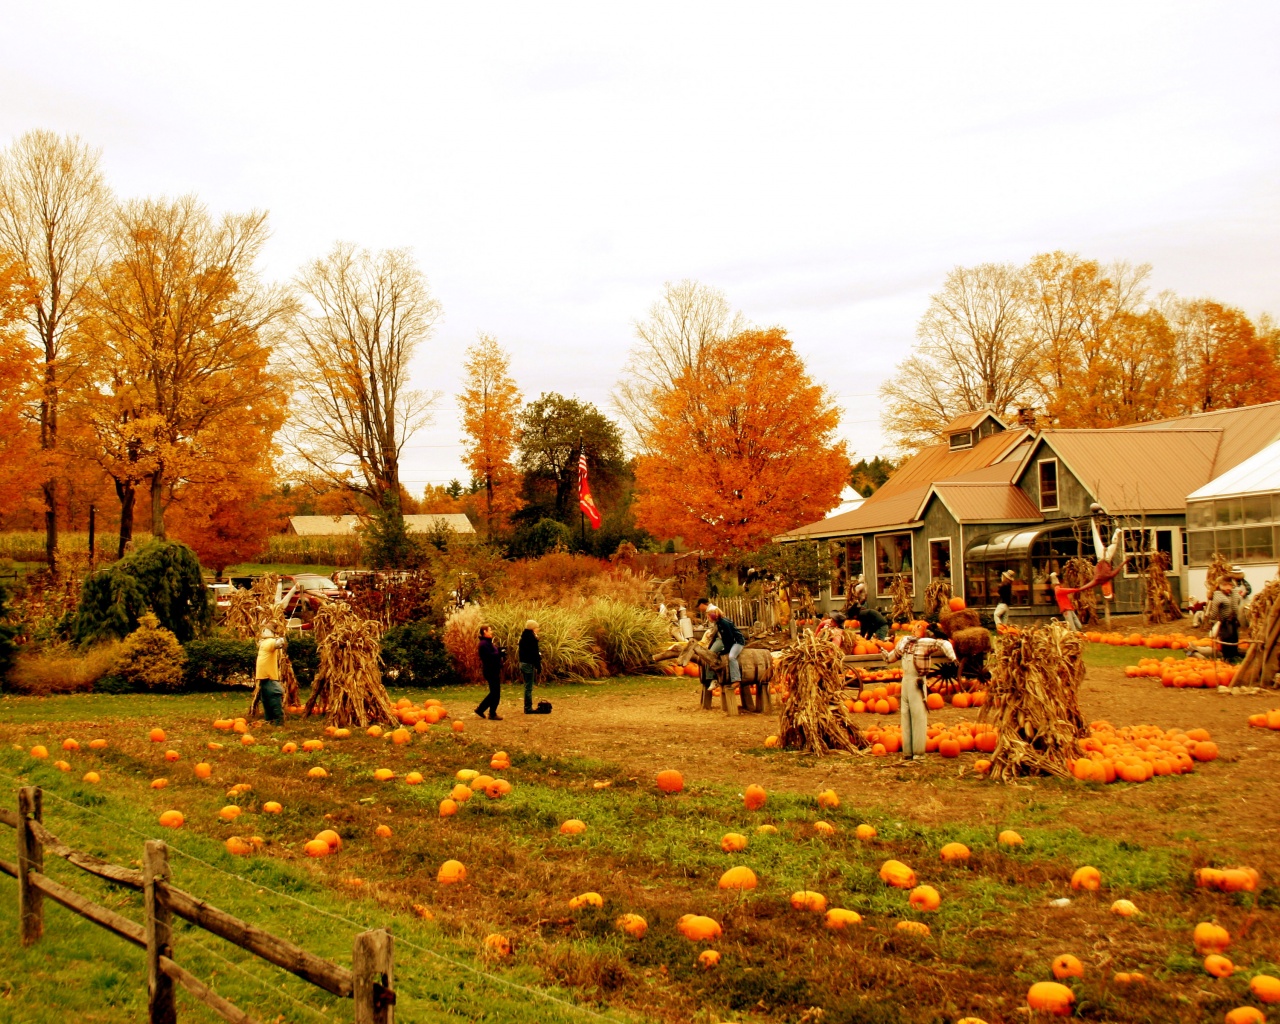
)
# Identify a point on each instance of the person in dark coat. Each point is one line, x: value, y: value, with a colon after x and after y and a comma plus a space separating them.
x: 491, y: 667
x: 530, y: 661
x: 871, y: 624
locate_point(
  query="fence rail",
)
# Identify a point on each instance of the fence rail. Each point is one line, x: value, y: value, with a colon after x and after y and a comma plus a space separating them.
x: 749, y: 612
x: 369, y: 983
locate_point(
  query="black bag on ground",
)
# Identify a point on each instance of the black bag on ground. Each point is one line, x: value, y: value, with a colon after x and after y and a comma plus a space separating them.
x: 543, y: 708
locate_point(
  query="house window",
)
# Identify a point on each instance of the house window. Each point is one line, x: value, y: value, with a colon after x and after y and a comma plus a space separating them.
x: 940, y: 559
x: 853, y: 557
x: 1048, y: 484
x: 893, y: 556
x: 962, y: 440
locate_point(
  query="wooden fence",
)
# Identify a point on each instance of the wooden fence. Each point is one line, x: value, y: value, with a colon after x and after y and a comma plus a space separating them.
x: 748, y: 612
x: 369, y: 982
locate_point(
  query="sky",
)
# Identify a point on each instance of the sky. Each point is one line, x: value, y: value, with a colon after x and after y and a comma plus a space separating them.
x: 552, y: 165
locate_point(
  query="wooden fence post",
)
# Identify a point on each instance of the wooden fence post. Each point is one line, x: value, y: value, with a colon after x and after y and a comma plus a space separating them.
x: 373, y: 977
x: 30, y: 858
x: 155, y: 866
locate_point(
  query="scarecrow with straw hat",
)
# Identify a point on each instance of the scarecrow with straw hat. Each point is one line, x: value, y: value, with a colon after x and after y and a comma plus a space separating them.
x: 267, y: 673
x: 1004, y: 595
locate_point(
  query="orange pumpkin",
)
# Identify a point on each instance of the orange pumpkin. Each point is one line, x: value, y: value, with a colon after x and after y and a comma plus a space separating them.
x: 498, y: 945
x: 733, y: 842
x: 1210, y: 938
x: 238, y: 847
x: 670, y: 781
x: 1087, y: 878
x: 925, y: 898
x: 897, y: 874
x: 708, y: 959
x: 917, y: 928
x: 838, y: 919
x: 451, y: 873
x: 573, y: 827
x: 633, y: 925
x: 156, y: 735
x: 171, y: 819
x: 812, y: 901
x: 1265, y: 988
x: 70, y: 744
x: 448, y: 808
x: 865, y: 833
x: 317, y: 848
x: 1067, y: 966
x: 954, y: 853
x: 1219, y: 966
x: 697, y: 928
x: 587, y: 899
x: 317, y: 773
x: 1245, y: 1015
x: 97, y: 744
x: 828, y: 800
x: 331, y: 837
x: 93, y: 778
x: 1124, y: 908
x: 1051, y: 997
x: 738, y: 878
x: 754, y: 798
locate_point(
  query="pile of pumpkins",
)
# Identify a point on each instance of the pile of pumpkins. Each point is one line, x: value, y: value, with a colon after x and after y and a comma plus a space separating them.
x: 883, y: 700
x: 882, y: 675
x: 1266, y: 720
x: 1155, y: 642
x: 1138, y: 753
x: 1183, y: 672
x: 948, y: 741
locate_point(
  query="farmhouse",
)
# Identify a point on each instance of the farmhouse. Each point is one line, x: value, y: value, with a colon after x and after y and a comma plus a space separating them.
x: 990, y: 497
x: 345, y: 526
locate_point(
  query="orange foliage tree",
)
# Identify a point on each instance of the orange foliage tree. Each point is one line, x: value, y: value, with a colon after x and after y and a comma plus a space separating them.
x: 490, y: 403
x: 19, y: 442
x: 1227, y: 360
x: 229, y: 520
x: 742, y: 450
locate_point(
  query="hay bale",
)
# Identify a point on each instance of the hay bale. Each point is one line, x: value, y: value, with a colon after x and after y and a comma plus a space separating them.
x: 1034, y: 701
x: 953, y: 622
x: 814, y: 717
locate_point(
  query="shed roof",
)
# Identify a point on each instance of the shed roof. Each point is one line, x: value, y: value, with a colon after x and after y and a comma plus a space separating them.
x: 896, y: 510
x: 938, y: 462
x: 969, y: 420
x: 1259, y: 474
x: 343, y: 526
x: 975, y: 501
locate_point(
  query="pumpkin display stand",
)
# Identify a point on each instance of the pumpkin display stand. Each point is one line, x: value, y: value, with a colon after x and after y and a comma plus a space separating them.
x: 348, y: 684
x: 1034, y: 701
x: 814, y: 717
x: 250, y: 612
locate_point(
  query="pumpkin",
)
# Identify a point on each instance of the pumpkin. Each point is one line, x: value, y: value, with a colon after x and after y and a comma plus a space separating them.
x: 62, y: 766
x: 670, y: 781
x: 448, y: 808
x: 754, y: 797
x: 401, y: 736
x: 573, y: 827
x: 1210, y: 938
x: 733, y: 842
x: 925, y: 898
x: 239, y: 788
x: 481, y: 782
x: 1009, y: 838
x: 633, y: 925
x: 171, y: 755
x: 766, y: 830
x: 317, y: 848
x: 289, y: 748
x: 384, y: 774
x: 247, y: 741
x: 586, y: 899
x: 956, y: 604
x: 1087, y: 878
x: 897, y: 874
x: 918, y: 928
x: 1237, y: 880
x: 317, y: 773
x: 971, y: 1020
x: 1265, y: 988
x: 824, y: 828
x: 738, y: 878
x: 982, y: 766
x: 697, y: 928
x: 1245, y: 1015
x: 954, y: 852
x: 1124, y: 908
x: 459, y: 727
x: 708, y: 959
x: 499, y: 945
x: 501, y: 785
x: 1219, y: 966
x: 222, y: 723
x: 156, y: 735
x: 39, y: 752
x: 237, y: 847
x: 1206, y: 750
x: 331, y: 837
x: 805, y: 900
x: 374, y: 730
x: 172, y: 819
x: 413, y: 779
x: 311, y: 746
x: 949, y: 748
x: 421, y: 725
x: 229, y: 813
x: 865, y: 833
x: 451, y: 872
x: 1051, y: 997
x: 203, y: 770
x: 460, y: 793
x: 828, y: 800
x: 772, y: 741
x: 934, y: 702
x: 97, y: 744
x: 467, y: 774
x: 70, y: 744
x: 1129, y: 978
x: 1067, y: 966
x: 159, y: 783
x: 838, y: 919
x: 272, y: 807
x: 93, y: 778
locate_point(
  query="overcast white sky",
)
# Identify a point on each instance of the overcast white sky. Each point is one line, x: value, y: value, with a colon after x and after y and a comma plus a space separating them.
x: 551, y: 165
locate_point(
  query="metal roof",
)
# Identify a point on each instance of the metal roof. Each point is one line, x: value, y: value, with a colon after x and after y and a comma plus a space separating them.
x: 1007, y: 545
x: 1134, y: 471
x: 896, y: 510
x: 938, y: 462
x: 979, y: 502
x: 969, y: 420
x: 1257, y: 475
x: 1245, y: 431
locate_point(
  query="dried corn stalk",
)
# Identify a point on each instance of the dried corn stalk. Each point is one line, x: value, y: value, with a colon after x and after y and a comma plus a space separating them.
x: 1034, y: 702
x: 1218, y: 568
x: 900, y: 592
x: 348, y: 684
x: 936, y: 596
x: 813, y: 717
x: 1261, y: 662
x: 1159, y: 605
x: 1076, y: 573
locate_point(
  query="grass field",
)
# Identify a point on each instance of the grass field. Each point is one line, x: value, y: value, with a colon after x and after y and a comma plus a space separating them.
x: 658, y: 856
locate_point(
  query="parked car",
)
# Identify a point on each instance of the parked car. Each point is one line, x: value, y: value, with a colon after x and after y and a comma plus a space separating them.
x: 312, y: 591
x: 221, y: 594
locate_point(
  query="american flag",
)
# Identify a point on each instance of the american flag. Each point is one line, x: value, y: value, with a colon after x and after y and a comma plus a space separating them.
x: 585, y: 501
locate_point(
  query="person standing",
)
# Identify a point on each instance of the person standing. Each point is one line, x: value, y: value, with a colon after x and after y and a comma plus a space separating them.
x: 530, y: 661
x: 1224, y: 611
x: 491, y: 668
x: 1065, y: 596
x: 1004, y: 598
x: 267, y: 673
x: 730, y: 636
x: 917, y: 653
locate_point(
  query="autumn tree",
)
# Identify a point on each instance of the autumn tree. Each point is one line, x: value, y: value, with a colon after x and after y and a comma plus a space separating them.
x: 490, y: 405
x: 742, y: 451
x: 683, y: 328
x: 177, y: 349
x: 362, y: 318
x: 1226, y: 361
x: 19, y: 445
x: 553, y: 430
x: 229, y: 520
x: 54, y: 206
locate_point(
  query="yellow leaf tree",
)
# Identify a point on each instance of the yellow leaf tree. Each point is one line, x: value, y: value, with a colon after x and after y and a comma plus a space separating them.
x: 740, y: 450
x: 490, y: 404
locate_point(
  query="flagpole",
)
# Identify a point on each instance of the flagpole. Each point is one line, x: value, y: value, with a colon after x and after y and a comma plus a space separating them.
x: 582, y: 516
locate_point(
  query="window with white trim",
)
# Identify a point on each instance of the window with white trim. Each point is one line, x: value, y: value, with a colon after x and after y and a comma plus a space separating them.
x: 1047, y: 472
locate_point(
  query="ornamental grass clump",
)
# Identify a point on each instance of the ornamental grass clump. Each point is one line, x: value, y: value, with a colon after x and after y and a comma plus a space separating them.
x: 1033, y: 701
x: 814, y: 717
x: 564, y: 639
x: 628, y: 635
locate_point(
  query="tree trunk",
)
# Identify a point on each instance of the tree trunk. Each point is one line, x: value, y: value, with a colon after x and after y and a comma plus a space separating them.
x: 157, y: 505
x: 126, y: 493
x: 49, y: 442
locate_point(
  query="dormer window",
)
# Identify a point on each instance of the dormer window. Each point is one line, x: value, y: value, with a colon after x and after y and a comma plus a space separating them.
x: 963, y: 439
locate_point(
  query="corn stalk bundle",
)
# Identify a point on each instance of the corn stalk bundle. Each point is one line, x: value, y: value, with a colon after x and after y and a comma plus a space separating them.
x: 1218, y: 568
x: 900, y: 592
x: 813, y: 717
x: 1159, y: 605
x: 348, y: 684
x: 1262, y: 660
x: 1034, y: 702
x: 1076, y: 573
x: 936, y: 597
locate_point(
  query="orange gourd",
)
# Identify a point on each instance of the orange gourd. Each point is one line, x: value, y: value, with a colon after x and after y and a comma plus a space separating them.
x: 1219, y: 966
x: 738, y: 878
x: 733, y: 842
x: 708, y: 958
x: 812, y: 901
x: 1210, y: 938
x: 573, y: 827
x: 317, y: 848
x: 448, y: 808
x: 633, y: 925
x: 451, y: 873
x: 925, y: 898
x: 955, y: 853
x: 1067, y: 966
x: 838, y: 919
x: 897, y: 874
x: 754, y: 798
x: 171, y: 819
x: 586, y: 899
x: 1087, y: 878
x: 697, y: 928
x: 1051, y: 997
x: 1265, y: 988
x: 865, y: 833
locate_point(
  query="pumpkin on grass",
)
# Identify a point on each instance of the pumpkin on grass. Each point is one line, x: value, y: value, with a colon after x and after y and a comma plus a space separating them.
x: 838, y: 919
x: 917, y: 928
x: 1087, y: 878
x: 708, y: 958
x: 383, y: 831
x: 238, y: 847
x: 499, y: 945
x: 1067, y: 966
x: 897, y: 874
x: 448, y: 808
x: 670, y: 781
x: 697, y: 928
x: 1124, y: 908
x: 1245, y: 1015
x: 451, y: 872
x: 1210, y: 938
x: 171, y: 819
x: 1009, y: 838
x: 955, y: 852
x: 811, y: 901
x: 865, y: 833
x: 272, y: 807
x: 1051, y: 997
x: 925, y: 897
x: 738, y: 878
x: 586, y: 899
x: 93, y: 778
x: 573, y: 827
x: 754, y: 798
x: 733, y: 842
x: 317, y: 848
x: 633, y: 925
x: 828, y: 800
x: 1265, y: 988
